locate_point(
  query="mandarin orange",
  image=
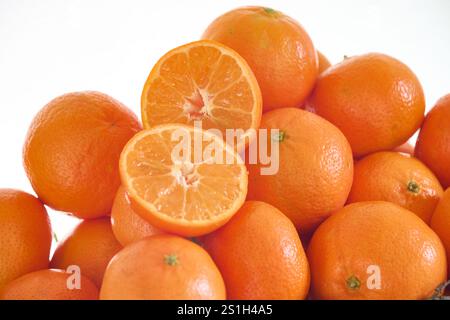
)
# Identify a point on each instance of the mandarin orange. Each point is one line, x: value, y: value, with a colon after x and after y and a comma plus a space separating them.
x: 72, y: 151
x: 375, y: 250
x: 433, y: 144
x: 315, y: 167
x: 397, y: 178
x: 25, y: 235
x: 162, y: 267
x: 277, y: 48
x: 48, y: 284
x: 127, y: 225
x: 260, y: 255
x: 376, y: 100
x: 90, y: 246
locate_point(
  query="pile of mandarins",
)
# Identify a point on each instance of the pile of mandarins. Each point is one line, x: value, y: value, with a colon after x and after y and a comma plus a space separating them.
x: 374, y: 216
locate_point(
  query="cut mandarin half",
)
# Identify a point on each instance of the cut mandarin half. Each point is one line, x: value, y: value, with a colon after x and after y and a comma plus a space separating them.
x: 183, y: 179
x: 203, y: 81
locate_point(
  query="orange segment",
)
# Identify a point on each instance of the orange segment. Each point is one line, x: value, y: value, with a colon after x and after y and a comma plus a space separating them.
x: 183, y: 179
x: 204, y: 81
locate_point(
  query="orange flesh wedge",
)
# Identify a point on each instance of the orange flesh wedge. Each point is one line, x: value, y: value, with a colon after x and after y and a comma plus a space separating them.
x: 203, y: 81
x: 191, y: 193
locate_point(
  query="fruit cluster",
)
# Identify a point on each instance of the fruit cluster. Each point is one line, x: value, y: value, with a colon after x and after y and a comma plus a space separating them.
x: 370, y: 209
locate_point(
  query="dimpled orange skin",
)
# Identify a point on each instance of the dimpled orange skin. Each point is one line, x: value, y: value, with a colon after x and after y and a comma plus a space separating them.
x: 72, y: 151
x: 91, y: 245
x: 315, y: 168
x: 324, y: 63
x: 433, y: 144
x: 162, y: 267
x: 397, y: 178
x: 127, y: 225
x: 25, y: 235
x: 278, y: 50
x: 48, y: 284
x: 440, y: 222
x: 260, y: 255
x: 375, y: 100
x: 410, y: 256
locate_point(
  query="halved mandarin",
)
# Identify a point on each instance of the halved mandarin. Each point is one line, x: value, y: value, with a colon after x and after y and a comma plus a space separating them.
x: 183, y: 179
x: 203, y: 81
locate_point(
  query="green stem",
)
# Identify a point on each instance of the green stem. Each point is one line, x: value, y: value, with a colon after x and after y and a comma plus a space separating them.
x: 280, y: 136
x: 270, y: 11
x: 171, y: 259
x: 353, y: 283
x: 439, y: 292
x: 413, y: 187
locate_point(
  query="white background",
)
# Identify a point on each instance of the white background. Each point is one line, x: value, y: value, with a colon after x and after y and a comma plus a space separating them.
x: 51, y: 47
